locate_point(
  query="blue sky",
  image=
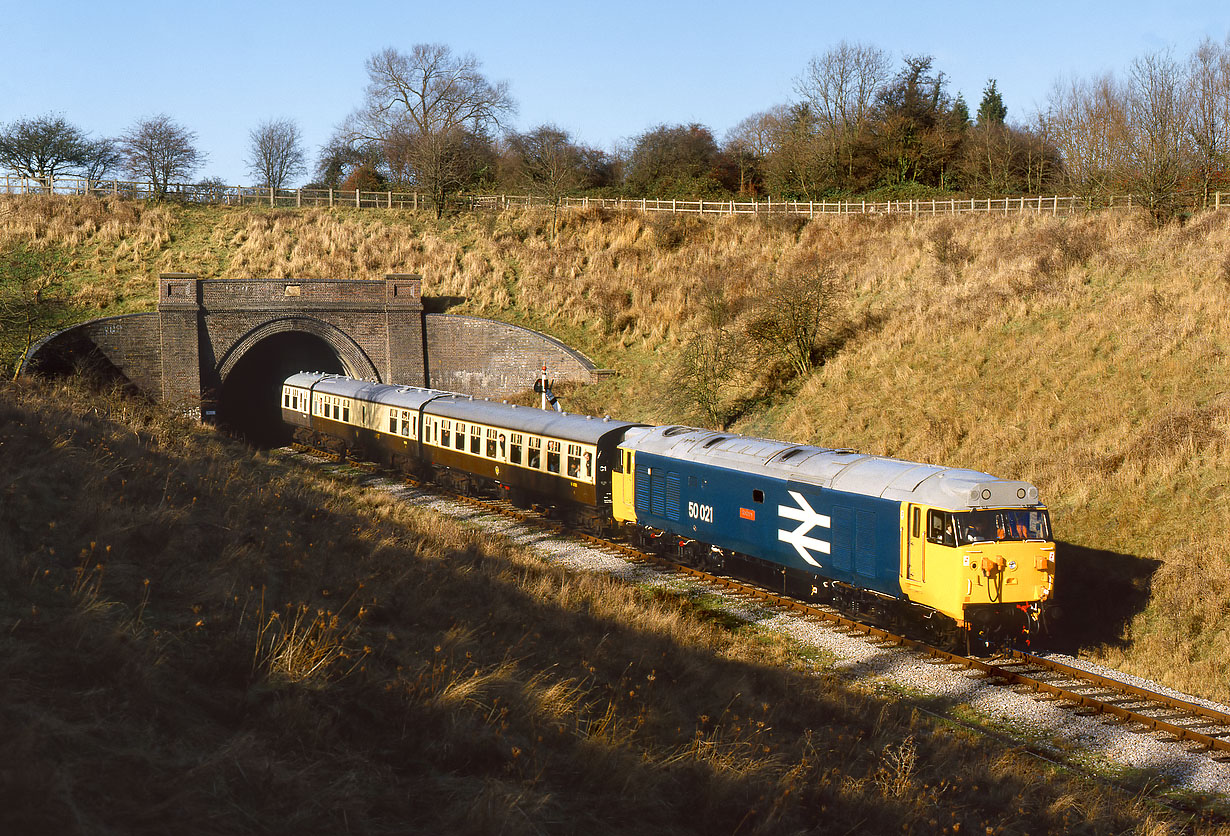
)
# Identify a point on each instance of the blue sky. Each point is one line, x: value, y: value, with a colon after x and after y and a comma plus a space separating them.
x: 604, y: 71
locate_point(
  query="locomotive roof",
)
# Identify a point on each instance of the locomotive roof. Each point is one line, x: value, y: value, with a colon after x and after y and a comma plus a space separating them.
x: 583, y: 429
x: 842, y: 470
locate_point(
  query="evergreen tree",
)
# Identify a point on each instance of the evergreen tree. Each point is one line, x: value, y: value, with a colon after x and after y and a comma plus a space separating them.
x: 992, y: 110
x: 960, y: 112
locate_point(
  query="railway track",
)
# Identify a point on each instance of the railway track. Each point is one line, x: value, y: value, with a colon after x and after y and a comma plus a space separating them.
x: 1138, y: 709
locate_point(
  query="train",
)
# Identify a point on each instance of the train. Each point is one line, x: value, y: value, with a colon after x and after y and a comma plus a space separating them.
x: 963, y: 556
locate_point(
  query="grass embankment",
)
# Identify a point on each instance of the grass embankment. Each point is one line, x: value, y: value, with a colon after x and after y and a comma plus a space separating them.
x: 1086, y: 354
x: 194, y: 637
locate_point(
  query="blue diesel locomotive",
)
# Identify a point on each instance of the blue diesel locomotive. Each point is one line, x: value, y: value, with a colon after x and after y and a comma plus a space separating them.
x: 964, y: 554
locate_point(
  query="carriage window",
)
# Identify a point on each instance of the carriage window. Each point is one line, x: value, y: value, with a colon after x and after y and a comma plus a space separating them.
x: 446, y: 436
x: 476, y: 440
x: 552, y: 456
x: 346, y: 412
x: 337, y: 411
x: 405, y: 423
x: 461, y: 436
x: 392, y: 420
x: 589, y: 465
x: 514, y: 449
x: 491, y: 434
x: 574, y: 460
x: 286, y: 399
x: 535, y: 454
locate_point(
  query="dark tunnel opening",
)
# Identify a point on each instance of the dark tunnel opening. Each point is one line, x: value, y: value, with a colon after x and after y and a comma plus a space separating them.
x: 248, y: 403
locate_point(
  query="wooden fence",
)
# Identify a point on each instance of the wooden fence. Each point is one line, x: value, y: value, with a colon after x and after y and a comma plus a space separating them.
x: 264, y: 196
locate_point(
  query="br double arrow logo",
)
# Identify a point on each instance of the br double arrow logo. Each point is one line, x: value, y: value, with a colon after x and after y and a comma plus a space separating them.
x: 808, y: 519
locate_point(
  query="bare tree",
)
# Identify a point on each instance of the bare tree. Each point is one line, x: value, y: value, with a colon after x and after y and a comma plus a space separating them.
x: 1157, y: 122
x: 103, y: 157
x: 1087, y: 121
x: 1208, y: 92
x: 276, y: 153
x: 842, y: 84
x: 431, y: 104
x: 711, y: 375
x: 752, y: 142
x: 799, y: 314
x: 160, y: 149
x: 43, y: 147
x: 548, y: 162
x: 841, y: 87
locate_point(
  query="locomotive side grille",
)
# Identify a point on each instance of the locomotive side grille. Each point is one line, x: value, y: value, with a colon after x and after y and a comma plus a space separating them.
x: 642, y: 490
x: 674, y: 510
x: 843, y: 538
x: 865, y: 543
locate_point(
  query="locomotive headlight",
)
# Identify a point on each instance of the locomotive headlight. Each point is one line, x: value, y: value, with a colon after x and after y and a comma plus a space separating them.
x: 1012, y: 564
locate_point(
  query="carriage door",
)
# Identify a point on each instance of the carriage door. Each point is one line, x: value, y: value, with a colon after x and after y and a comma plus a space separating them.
x: 915, y: 538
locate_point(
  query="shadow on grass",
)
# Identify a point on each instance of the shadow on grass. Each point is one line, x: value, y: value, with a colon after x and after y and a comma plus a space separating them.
x: 1099, y: 593
x: 492, y: 693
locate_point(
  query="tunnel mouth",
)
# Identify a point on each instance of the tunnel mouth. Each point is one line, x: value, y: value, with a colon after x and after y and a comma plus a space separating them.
x: 248, y: 404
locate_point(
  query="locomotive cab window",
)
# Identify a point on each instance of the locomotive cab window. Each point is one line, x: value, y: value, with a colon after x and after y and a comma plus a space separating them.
x: 940, y: 529
x: 1013, y: 524
x: 758, y: 496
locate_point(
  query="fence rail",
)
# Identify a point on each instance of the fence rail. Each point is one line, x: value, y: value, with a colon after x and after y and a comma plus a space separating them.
x: 265, y: 196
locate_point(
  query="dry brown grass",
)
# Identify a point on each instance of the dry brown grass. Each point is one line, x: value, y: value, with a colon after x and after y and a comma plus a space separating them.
x: 1086, y: 354
x: 420, y: 677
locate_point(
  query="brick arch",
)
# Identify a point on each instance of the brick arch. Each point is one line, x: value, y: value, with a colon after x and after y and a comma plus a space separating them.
x: 353, y: 357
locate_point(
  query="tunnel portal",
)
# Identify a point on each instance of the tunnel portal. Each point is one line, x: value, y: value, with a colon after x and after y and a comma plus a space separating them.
x: 248, y: 402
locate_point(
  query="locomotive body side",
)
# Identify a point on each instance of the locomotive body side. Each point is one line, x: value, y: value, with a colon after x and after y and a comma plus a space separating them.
x: 962, y: 543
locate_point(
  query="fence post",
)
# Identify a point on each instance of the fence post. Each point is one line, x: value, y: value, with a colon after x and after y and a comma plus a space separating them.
x: 1217, y: 201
